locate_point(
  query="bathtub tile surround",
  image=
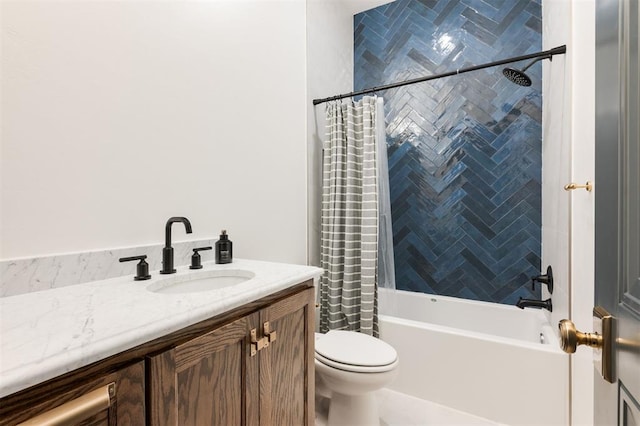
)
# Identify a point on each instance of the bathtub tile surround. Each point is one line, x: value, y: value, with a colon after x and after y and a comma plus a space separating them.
x: 465, y: 151
x: 19, y: 276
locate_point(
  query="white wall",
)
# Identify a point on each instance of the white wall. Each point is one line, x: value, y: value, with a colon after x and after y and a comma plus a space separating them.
x: 568, y: 149
x: 329, y: 72
x: 117, y: 115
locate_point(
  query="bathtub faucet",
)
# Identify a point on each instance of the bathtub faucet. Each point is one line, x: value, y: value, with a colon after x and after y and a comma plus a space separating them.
x: 526, y: 303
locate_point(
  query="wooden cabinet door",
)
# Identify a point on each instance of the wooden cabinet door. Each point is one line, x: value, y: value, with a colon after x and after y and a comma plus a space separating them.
x: 114, y: 399
x: 209, y: 380
x: 214, y: 379
x: 287, y: 364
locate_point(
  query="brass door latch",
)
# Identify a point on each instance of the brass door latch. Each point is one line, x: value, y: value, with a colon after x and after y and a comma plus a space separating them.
x: 571, y: 186
x: 263, y: 342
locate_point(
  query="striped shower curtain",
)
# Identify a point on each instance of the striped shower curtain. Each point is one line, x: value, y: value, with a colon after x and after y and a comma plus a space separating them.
x: 348, y: 299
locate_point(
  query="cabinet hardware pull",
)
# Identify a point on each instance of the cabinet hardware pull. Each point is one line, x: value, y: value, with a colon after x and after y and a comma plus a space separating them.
x: 257, y: 344
x: 270, y: 335
x: 76, y: 410
x: 571, y: 186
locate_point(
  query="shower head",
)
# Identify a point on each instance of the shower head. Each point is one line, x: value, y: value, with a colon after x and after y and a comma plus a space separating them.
x: 518, y: 76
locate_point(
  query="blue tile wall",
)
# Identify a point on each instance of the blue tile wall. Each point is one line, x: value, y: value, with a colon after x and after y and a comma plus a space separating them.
x: 464, y: 151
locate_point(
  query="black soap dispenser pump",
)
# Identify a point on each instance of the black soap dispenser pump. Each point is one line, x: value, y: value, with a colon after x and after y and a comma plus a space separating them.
x: 224, y: 248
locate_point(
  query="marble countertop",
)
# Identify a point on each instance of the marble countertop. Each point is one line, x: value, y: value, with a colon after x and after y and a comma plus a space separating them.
x: 47, y: 333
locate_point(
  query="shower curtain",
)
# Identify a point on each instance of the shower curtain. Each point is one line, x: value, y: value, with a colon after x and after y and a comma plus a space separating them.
x: 386, y: 262
x: 350, y: 217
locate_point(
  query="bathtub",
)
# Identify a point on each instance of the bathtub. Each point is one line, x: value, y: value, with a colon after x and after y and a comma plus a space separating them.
x: 491, y: 360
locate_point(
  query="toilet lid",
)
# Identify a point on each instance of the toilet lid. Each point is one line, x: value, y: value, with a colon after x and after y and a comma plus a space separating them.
x: 353, y: 348
x: 319, y: 359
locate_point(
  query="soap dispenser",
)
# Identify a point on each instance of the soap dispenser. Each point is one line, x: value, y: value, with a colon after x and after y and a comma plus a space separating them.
x: 224, y: 248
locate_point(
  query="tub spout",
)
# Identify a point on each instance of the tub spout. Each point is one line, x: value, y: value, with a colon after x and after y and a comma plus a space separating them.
x: 526, y: 303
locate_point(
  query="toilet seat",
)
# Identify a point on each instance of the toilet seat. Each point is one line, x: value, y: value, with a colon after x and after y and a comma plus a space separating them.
x: 355, y: 352
x: 355, y: 368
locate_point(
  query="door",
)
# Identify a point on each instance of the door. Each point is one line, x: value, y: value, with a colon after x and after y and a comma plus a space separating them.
x: 617, y: 224
x: 209, y: 380
x: 287, y: 364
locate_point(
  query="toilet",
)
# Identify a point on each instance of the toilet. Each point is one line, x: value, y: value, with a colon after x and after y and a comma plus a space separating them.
x: 350, y: 367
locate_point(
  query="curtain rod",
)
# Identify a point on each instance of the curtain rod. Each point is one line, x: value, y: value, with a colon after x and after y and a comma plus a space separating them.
x: 548, y: 53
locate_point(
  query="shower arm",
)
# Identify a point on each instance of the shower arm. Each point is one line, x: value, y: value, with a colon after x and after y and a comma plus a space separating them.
x: 547, y: 54
x: 536, y: 60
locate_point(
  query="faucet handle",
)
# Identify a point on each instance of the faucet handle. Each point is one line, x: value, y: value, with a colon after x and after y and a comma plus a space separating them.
x: 544, y: 279
x: 196, y: 260
x: 142, y: 269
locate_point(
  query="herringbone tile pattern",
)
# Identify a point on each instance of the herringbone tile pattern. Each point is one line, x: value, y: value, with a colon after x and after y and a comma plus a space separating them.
x: 464, y: 151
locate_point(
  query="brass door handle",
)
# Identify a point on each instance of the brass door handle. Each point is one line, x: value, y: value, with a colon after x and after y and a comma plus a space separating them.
x: 270, y: 335
x: 571, y: 338
x: 257, y: 344
x: 602, y: 340
x: 77, y: 410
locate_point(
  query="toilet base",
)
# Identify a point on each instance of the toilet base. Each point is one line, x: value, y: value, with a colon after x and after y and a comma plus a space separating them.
x: 353, y: 410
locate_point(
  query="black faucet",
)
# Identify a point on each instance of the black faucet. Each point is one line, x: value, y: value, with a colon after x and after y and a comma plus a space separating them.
x: 167, y: 251
x: 525, y: 303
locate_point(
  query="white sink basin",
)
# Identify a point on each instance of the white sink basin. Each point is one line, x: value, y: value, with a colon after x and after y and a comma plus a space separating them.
x: 202, y: 281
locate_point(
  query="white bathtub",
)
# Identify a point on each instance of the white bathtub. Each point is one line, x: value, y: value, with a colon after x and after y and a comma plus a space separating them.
x: 482, y: 358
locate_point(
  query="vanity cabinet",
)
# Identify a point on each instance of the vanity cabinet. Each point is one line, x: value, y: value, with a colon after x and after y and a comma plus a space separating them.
x: 116, y: 398
x: 250, y: 366
x: 255, y: 370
